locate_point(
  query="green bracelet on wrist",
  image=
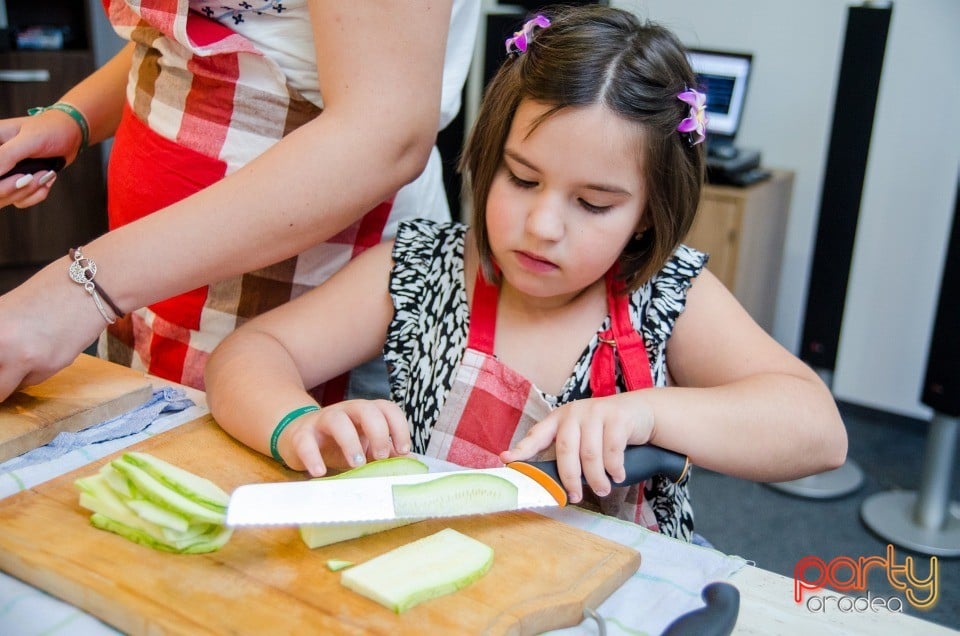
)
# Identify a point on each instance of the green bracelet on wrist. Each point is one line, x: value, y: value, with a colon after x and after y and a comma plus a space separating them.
x: 287, y: 419
x: 74, y: 113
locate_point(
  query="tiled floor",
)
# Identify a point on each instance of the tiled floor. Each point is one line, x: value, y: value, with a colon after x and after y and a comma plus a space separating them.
x: 775, y: 529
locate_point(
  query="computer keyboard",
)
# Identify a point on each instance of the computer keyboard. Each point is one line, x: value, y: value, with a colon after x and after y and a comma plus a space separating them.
x: 747, y: 177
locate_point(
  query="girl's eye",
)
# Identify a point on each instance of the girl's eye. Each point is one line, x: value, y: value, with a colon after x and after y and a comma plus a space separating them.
x: 595, y: 209
x: 520, y: 183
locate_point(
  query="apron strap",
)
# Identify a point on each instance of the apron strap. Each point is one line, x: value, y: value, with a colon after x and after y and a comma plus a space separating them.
x: 621, y: 340
x: 483, y: 315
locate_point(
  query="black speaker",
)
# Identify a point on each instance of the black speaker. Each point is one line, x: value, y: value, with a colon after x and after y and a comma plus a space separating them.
x: 941, y: 386
x: 857, y: 87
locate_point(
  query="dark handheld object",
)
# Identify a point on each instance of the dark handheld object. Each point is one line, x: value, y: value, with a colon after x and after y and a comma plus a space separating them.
x: 32, y: 165
x: 640, y: 462
x: 718, y: 618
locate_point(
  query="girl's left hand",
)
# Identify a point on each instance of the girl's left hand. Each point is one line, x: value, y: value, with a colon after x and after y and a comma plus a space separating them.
x: 590, y: 436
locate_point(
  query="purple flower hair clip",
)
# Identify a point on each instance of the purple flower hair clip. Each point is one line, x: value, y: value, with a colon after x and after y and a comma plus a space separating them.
x: 695, y: 125
x: 522, y: 38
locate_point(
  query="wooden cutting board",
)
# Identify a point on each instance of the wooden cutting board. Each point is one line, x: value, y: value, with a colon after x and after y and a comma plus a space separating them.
x: 89, y: 391
x: 266, y: 581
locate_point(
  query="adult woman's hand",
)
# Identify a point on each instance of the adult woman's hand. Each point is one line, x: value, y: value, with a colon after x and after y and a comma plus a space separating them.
x: 54, y: 133
x: 44, y: 324
x: 380, y: 70
x: 50, y: 134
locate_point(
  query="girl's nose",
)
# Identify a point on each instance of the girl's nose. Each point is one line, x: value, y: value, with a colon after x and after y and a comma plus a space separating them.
x: 545, y: 219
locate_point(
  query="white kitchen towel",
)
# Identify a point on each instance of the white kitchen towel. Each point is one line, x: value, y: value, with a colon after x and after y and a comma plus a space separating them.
x: 668, y: 584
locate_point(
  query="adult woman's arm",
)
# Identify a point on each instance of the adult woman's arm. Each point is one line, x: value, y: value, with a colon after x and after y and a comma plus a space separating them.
x: 380, y: 67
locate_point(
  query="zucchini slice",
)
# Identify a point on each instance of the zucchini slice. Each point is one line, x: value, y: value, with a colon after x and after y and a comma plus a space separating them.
x: 193, y: 487
x: 134, y: 503
x: 335, y: 565
x: 319, y: 535
x: 424, y: 569
x: 455, y: 494
x: 161, y: 494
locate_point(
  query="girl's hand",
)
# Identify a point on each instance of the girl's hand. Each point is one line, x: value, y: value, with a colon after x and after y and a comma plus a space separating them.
x: 590, y: 436
x: 345, y: 435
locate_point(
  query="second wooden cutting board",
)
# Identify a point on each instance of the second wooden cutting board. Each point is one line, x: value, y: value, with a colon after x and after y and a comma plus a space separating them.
x: 266, y: 580
x: 87, y: 392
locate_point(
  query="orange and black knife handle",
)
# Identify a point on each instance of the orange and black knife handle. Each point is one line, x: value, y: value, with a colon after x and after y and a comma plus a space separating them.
x: 640, y: 463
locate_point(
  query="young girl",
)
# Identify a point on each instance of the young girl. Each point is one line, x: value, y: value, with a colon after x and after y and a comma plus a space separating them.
x: 569, y: 322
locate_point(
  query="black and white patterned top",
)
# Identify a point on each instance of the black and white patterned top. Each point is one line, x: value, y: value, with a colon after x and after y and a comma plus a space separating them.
x: 428, y: 335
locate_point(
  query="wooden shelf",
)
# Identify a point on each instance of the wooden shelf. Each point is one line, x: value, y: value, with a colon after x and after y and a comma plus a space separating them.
x: 743, y: 230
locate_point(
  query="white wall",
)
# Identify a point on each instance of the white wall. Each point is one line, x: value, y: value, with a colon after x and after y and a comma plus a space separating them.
x: 911, y: 173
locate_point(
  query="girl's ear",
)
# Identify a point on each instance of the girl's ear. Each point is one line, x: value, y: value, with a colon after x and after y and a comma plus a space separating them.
x: 642, y: 227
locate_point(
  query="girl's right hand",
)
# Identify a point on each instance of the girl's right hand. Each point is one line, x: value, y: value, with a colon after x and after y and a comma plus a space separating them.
x: 345, y: 435
x: 49, y: 134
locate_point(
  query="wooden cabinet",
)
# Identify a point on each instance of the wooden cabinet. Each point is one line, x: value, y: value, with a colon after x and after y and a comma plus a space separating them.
x: 75, y: 211
x: 743, y: 230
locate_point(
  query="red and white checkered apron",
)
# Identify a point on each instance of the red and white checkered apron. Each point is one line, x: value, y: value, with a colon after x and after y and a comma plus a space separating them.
x: 491, y: 407
x: 203, y: 101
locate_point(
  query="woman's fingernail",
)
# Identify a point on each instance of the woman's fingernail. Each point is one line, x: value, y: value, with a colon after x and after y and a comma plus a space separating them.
x: 47, y: 178
x: 23, y: 181
x: 357, y: 459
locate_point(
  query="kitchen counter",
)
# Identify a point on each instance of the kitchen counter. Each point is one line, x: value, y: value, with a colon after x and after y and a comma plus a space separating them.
x: 668, y: 583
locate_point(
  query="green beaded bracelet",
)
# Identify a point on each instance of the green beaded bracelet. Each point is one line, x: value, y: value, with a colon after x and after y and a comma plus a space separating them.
x: 284, y: 423
x: 74, y: 113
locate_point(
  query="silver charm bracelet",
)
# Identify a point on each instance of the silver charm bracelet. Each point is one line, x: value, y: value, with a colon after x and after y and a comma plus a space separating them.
x: 82, y: 271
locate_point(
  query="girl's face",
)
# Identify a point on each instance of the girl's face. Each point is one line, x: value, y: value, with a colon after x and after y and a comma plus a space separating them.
x: 566, y: 199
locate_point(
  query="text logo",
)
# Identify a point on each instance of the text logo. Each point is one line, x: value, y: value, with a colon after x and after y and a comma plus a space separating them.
x: 845, y: 574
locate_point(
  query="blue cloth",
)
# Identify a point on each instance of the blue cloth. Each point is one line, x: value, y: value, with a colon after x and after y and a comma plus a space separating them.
x: 165, y: 400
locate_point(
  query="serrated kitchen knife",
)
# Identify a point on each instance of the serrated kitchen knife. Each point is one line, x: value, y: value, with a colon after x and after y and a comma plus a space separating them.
x: 370, y: 499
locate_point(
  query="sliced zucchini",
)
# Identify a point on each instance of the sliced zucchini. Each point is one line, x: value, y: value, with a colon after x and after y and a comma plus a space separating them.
x: 128, y: 532
x: 116, y: 481
x: 193, y: 487
x: 150, y: 511
x: 389, y: 467
x: 455, y: 494
x: 162, y: 495
x: 316, y: 536
x: 424, y: 569
x: 335, y: 565
x: 127, y: 500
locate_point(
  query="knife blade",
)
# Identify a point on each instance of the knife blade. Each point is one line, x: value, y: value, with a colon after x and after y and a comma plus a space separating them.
x: 371, y: 499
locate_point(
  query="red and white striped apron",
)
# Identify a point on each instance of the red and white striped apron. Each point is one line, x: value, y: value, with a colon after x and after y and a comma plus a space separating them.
x: 491, y: 407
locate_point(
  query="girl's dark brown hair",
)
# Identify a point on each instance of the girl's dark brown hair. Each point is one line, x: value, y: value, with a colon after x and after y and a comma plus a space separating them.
x: 600, y: 55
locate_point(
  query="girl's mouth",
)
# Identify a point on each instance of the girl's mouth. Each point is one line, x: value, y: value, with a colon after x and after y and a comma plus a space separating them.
x: 535, y: 263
